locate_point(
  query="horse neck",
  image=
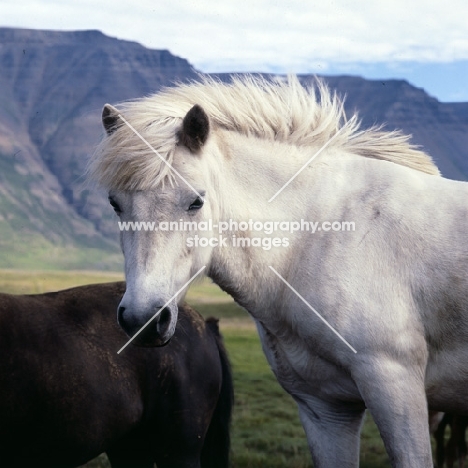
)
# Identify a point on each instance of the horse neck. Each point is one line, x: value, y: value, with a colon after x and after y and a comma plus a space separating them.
x: 251, y: 172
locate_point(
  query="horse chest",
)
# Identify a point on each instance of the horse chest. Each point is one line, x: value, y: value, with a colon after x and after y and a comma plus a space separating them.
x: 301, y: 371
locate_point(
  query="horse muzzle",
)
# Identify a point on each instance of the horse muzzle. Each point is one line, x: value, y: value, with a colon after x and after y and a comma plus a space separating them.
x: 150, y: 328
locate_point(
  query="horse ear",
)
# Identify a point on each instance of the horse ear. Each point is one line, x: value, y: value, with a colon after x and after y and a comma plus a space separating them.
x: 195, y: 129
x: 110, y: 116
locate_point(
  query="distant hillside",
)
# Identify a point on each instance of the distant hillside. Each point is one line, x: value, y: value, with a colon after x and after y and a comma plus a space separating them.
x: 52, y: 88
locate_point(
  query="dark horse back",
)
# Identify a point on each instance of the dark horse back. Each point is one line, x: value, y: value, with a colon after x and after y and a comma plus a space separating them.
x: 66, y: 395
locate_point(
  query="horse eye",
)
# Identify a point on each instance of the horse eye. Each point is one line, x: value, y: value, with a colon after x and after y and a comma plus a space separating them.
x: 196, y: 204
x: 115, y: 206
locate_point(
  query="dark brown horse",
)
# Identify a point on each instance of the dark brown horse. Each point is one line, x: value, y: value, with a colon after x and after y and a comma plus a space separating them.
x: 67, y: 396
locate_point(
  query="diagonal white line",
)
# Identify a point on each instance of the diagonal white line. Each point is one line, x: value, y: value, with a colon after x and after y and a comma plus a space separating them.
x: 162, y: 308
x: 312, y: 309
x: 156, y: 152
x: 305, y: 165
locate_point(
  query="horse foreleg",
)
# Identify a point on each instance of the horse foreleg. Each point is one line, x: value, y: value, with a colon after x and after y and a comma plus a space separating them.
x: 395, y: 396
x: 332, y: 430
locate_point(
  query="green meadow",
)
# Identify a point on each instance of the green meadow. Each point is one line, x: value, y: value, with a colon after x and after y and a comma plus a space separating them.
x: 266, y: 431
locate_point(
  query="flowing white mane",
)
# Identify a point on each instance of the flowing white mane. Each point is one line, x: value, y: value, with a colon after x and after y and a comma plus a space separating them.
x: 280, y: 111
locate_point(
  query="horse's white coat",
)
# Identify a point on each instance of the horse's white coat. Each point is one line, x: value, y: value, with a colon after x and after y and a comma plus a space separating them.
x: 395, y: 288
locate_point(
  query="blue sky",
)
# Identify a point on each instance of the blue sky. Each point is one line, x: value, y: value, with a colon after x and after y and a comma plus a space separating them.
x: 423, y: 41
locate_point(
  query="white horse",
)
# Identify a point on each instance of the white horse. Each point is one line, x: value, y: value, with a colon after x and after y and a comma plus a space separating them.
x: 395, y: 290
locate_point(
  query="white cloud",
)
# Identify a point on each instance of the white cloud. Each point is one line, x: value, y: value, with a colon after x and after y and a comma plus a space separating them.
x: 265, y: 35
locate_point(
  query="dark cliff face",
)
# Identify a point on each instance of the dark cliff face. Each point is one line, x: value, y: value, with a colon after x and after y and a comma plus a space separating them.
x: 55, y: 84
x: 52, y: 89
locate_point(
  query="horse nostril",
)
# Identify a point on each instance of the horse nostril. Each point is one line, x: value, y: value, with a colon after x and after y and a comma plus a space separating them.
x: 164, y: 320
x: 120, y: 313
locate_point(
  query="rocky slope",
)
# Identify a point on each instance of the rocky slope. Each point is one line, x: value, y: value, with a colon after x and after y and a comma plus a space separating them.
x: 441, y: 129
x: 52, y: 88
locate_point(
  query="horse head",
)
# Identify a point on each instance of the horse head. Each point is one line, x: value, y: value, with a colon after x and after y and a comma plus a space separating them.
x: 156, y: 225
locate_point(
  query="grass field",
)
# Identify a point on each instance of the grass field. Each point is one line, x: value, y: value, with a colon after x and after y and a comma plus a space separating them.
x: 266, y: 428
